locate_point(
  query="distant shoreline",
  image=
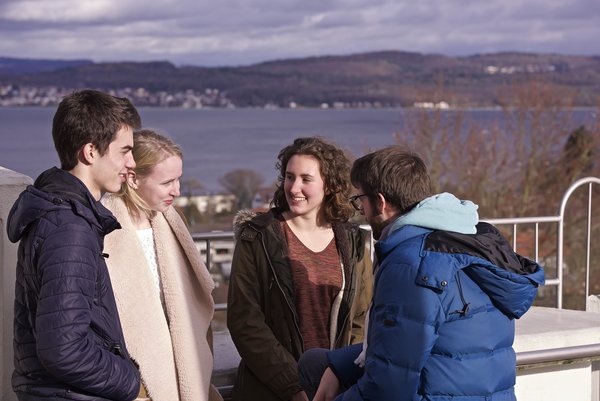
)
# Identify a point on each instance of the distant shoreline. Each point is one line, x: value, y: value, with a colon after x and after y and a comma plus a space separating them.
x: 300, y: 109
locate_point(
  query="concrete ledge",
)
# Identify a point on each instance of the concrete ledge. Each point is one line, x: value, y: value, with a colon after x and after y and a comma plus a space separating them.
x: 226, y: 362
x: 557, y: 355
x: 11, y: 178
x: 593, y: 303
x: 11, y: 185
x: 547, y: 328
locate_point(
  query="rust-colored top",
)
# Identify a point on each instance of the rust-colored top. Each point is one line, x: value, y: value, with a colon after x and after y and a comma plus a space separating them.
x: 317, y: 278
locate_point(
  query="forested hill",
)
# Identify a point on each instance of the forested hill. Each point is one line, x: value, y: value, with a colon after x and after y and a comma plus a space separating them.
x: 19, y: 66
x: 390, y: 78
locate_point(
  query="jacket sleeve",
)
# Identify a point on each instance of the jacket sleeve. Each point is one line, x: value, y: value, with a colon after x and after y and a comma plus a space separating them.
x: 364, y: 291
x: 258, y: 346
x: 402, y: 331
x: 67, y: 346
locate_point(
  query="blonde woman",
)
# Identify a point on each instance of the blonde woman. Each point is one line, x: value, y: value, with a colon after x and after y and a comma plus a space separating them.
x: 163, y: 289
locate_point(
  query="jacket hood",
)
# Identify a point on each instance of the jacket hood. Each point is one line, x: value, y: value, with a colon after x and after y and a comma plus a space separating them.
x: 441, y: 212
x: 240, y: 220
x: 510, y: 280
x: 512, y: 293
x: 61, y: 182
x: 54, y: 190
x: 257, y: 220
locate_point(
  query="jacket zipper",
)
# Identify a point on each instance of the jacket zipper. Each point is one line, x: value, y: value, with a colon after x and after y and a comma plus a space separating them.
x: 113, y: 345
x: 296, y: 325
x: 466, y: 305
x: 350, y: 301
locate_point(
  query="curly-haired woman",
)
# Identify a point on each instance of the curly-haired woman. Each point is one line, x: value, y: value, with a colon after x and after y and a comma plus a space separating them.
x: 301, y: 274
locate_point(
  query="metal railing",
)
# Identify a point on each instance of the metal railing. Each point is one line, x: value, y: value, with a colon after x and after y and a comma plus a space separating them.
x: 560, y: 221
x: 552, y: 356
x: 209, y: 237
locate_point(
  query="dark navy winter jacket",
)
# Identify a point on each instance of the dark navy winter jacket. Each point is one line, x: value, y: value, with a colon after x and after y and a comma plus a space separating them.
x: 68, y: 340
x: 441, y: 326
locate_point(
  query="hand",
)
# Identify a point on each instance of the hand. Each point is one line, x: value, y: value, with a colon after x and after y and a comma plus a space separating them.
x: 329, y: 387
x: 300, y: 396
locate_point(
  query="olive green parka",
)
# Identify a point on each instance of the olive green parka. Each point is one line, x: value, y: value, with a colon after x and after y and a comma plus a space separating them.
x: 261, y: 312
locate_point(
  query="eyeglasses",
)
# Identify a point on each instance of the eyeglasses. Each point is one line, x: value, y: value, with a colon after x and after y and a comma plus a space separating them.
x: 356, y: 202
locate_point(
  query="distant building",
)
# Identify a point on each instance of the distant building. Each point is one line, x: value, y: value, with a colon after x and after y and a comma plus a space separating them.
x: 215, y: 204
x: 431, y: 105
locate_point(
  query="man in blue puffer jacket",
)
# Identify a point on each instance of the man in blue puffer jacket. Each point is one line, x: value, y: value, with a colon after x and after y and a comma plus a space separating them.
x: 68, y: 340
x: 447, y: 291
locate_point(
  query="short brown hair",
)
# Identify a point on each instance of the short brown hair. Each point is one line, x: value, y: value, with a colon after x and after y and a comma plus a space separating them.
x: 334, y: 167
x: 89, y: 116
x: 395, y: 172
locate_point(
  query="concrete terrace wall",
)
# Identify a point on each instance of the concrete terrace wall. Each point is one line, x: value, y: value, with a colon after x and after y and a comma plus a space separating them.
x: 11, y: 185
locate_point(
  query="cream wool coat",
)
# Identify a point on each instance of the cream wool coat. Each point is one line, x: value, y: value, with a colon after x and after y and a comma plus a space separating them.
x: 171, y: 344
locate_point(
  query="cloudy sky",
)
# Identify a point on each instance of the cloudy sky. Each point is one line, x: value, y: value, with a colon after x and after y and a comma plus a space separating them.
x: 241, y: 32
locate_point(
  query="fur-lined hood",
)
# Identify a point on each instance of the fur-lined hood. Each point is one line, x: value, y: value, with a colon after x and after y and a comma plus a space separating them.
x: 241, y: 219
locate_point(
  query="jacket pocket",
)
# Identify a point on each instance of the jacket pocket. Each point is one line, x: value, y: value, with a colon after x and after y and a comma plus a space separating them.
x: 106, y: 342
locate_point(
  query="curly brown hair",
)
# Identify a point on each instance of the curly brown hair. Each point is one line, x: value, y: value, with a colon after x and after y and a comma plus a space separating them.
x: 335, y: 170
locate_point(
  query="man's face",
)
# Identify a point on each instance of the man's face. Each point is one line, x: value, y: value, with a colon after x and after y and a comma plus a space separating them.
x: 373, y: 214
x: 110, y: 169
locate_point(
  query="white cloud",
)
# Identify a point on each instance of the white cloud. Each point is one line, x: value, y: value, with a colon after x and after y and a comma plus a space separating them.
x: 60, y: 10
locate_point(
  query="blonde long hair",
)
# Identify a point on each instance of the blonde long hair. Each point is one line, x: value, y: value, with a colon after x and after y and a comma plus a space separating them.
x: 149, y: 149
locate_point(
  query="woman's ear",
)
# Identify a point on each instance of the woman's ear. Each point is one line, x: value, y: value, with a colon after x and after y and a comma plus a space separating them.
x: 132, y: 179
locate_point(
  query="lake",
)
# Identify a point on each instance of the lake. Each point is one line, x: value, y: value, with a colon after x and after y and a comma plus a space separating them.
x: 216, y: 141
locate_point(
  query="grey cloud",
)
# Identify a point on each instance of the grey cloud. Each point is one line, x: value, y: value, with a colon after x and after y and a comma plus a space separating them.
x: 237, y: 32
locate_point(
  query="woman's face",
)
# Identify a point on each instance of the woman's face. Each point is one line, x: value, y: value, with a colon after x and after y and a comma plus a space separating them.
x: 161, y: 187
x: 303, y: 186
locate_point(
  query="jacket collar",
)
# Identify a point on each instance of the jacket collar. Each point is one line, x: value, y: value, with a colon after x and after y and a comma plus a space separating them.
x: 61, y: 187
x: 384, y: 246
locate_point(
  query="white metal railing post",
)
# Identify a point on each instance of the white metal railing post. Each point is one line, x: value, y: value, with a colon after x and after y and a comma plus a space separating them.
x: 537, y: 241
x: 561, y: 214
x: 559, y: 262
x: 588, y: 247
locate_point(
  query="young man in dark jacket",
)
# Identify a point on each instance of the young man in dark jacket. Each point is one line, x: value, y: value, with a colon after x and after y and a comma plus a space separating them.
x: 447, y: 291
x: 68, y: 340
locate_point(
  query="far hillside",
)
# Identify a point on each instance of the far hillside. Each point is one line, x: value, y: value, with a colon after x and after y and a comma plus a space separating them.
x: 379, y: 79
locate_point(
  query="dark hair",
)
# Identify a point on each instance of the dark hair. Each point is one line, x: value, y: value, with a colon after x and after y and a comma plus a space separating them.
x: 89, y: 116
x: 395, y: 172
x: 334, y: 167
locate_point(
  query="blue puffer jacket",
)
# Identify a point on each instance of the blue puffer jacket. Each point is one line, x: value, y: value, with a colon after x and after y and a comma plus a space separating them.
x: 441, y: 326
x: 68, y: 340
